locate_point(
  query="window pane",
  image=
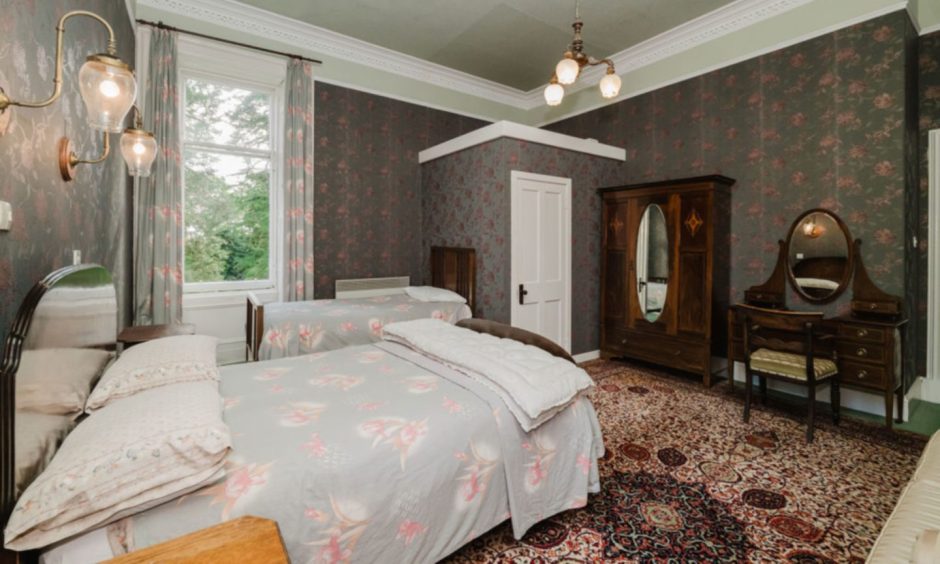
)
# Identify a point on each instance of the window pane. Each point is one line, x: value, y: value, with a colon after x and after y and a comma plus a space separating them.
x: 226, y: 214
x: 226, y: 115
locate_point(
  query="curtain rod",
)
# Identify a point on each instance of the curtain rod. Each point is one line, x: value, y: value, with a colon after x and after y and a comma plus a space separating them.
x: 161, y: 25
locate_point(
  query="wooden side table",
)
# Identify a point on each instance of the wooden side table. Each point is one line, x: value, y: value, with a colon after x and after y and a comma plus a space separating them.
x: 246, y: 539
x: 137, y: 334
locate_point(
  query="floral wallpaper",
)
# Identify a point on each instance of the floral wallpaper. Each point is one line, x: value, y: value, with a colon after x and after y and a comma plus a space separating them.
x: 52, y: 217
x: 466, y: 202
x: 818, y: 124
x: 368, y: 198
x: 929, y: 108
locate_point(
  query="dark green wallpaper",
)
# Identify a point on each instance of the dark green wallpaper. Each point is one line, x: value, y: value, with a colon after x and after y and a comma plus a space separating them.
x: 51, y: 217
x: 820, y: 124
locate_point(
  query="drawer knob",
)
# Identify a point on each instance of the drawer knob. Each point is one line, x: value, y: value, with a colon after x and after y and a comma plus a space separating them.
x: 623, y: 342
x: 862, y: 374
x: 862, y: 351
x: 677, y: 352
x: 872, y: 306
x: 862, y: 332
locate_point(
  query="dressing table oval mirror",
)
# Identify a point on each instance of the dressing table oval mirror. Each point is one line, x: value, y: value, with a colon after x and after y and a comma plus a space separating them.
x: 60, y: 341
x: 652, y: 262
x: 819, y: 256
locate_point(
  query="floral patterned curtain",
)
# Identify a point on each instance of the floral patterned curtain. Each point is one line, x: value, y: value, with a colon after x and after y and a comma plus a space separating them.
x: 158, y: 257
x: 298, y: 176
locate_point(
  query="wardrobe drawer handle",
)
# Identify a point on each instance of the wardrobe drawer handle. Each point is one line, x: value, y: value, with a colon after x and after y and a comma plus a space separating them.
x: 623, y: 342
x: 862, y: 374
x: 862, y: 332
x: 872, y: 306
x: 862, y: 351
x: 677, y: 352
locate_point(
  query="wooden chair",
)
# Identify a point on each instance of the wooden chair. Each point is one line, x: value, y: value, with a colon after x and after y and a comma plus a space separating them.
x: 789, y: 346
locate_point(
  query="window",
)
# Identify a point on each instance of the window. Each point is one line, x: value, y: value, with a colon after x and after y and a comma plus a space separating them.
x: 228, y: 175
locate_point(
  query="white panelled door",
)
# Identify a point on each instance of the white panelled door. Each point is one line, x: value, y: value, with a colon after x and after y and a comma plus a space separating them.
x: 541, y: 255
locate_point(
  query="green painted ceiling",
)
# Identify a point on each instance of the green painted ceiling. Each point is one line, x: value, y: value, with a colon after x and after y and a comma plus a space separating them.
x: 513, y: 42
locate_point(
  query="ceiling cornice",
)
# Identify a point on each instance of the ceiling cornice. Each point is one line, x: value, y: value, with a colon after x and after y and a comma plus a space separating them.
x: 262, y: 23
x: 247, y: 19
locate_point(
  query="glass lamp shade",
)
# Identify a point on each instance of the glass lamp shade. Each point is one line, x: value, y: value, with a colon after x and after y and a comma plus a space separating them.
x: 567, y: 71
x: 108, y: 89
x: 610, y: 85
x: 554, y: 94
x: 139, y: 149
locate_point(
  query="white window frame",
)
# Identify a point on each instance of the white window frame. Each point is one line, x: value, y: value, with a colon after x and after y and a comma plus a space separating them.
x: 228, y: 65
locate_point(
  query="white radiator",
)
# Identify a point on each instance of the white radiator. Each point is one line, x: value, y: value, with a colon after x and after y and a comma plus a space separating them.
x: 368, y: 287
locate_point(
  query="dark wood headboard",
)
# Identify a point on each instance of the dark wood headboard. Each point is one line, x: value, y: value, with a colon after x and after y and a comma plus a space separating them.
x: 455, y: 269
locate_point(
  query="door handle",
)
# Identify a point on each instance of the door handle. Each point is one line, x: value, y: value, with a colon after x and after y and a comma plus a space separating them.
x: 522, y: 294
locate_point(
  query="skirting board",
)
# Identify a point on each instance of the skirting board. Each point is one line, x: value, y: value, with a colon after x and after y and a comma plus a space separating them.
x: 586, y: 356
x: 851, y: 399
x: 230, y: 351
x: 926, y: 389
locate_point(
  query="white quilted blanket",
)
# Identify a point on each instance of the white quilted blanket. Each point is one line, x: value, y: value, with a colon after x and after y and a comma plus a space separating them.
x: 534, y: 384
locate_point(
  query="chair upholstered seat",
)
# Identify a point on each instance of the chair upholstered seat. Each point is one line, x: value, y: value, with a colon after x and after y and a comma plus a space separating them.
x: 790, y: 365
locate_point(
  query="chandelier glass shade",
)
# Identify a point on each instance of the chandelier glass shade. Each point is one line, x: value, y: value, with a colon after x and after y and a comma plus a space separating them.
x: 575, y: 59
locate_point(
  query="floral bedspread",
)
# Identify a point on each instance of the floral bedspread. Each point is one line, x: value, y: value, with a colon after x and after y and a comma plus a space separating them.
x: 377, y: 454
x: 295, y: 328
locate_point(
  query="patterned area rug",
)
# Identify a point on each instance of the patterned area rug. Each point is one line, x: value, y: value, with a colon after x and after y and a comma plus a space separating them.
x: 685, y: 479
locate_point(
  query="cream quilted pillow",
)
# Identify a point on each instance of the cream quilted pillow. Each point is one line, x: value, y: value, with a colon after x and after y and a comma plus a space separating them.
x: 130, y: 455
x: 171, y: 360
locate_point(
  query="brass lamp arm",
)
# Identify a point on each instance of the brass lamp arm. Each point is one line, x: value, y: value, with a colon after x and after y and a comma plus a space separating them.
x: 68, y: 160
x: 5, y: 100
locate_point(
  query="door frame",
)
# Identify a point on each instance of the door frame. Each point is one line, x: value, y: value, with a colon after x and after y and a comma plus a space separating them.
x: 931, y: 391
x: 514, y: 176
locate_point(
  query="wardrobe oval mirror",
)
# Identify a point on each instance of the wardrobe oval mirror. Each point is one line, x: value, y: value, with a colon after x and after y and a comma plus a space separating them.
x: 819, y: 255
x: 652, y: 262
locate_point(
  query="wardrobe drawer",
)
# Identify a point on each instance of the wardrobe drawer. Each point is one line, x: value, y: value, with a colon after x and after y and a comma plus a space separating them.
x: 865, y: 333
x: 668, y: 351
x: 615, y: 339
x: 862, y: 374
x: 861, y: 352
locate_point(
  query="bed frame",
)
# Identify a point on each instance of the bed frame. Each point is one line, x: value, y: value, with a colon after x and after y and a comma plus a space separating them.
x: 452, y: 268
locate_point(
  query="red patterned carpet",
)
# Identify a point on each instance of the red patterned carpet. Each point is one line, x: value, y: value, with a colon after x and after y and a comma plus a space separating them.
x: 684, y: 479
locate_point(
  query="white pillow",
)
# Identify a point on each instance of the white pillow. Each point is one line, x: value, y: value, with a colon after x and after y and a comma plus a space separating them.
x: 171, y: 360
x: 57, y: 381
x: 127, y: 457
x: 432, y: 294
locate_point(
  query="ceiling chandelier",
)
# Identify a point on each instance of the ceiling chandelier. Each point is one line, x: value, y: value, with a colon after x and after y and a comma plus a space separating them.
x: 568, y: 69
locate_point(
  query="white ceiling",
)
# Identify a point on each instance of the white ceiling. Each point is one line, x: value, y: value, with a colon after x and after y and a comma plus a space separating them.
x: 511, y: 42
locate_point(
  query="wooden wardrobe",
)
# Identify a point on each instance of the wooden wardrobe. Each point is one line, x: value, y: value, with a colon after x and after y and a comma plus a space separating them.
x: 665, y: 278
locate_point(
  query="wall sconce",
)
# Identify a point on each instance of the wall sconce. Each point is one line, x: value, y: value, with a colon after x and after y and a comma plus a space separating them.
x: 108, y: 89
x: 138, y: 147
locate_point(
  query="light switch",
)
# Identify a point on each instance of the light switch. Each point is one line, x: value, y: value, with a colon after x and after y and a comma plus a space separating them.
x: 76, y: 256
x: 6, y: 216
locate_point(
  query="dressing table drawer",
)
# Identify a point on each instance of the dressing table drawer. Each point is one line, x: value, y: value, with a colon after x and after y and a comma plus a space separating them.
x: 862, y: 333
x: 867, y: 375
x: 863, y: 352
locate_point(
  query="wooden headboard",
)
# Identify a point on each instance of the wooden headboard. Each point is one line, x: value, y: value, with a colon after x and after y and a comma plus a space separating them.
x: 455, y: 269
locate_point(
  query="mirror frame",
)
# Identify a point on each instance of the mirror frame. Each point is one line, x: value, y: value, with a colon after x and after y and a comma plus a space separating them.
x: 850, y: 258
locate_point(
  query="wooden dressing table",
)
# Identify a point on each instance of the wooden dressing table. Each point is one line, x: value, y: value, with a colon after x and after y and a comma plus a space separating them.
x: 868, y: 341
